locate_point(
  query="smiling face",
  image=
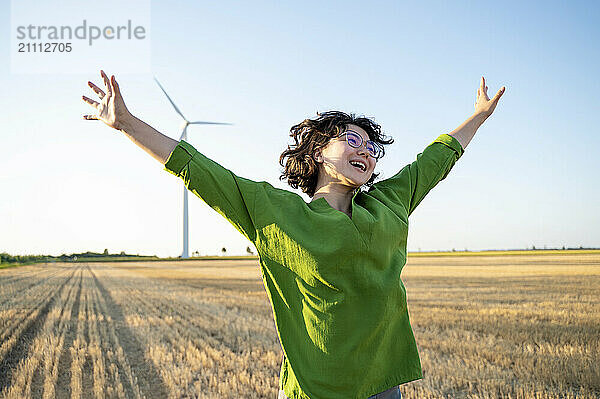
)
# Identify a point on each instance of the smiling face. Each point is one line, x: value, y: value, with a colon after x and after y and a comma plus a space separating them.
x: 336, y: 161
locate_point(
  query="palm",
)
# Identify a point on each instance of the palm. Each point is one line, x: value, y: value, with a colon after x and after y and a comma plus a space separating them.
x: 483, y: 104
x: 111, y: 109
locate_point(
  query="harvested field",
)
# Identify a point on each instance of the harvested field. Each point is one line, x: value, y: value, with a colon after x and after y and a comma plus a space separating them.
x: 507, y: 326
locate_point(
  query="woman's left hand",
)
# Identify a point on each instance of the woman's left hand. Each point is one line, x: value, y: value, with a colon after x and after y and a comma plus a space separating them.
x: 483, y: 104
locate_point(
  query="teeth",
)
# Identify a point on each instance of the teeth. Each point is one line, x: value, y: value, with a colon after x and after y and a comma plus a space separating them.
x: 360, y: 165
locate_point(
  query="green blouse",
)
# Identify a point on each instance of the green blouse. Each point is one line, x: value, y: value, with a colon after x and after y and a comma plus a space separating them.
x: 333, y: 281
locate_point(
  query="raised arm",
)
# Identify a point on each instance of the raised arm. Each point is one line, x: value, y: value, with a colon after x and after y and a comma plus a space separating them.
x: 112, y: 111
x: 228, y: 194
x: 407, y: 188
x: 484, y: 107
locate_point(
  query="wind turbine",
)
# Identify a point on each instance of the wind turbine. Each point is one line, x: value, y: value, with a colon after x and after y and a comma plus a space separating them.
x: 184, y: 125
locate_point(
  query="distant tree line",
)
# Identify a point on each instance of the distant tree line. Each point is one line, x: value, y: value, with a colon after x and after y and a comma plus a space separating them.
x: 8, y: 258
x: 23, y: 259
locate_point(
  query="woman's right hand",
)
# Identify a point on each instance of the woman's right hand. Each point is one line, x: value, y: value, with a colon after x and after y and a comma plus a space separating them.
x: 111, y: 109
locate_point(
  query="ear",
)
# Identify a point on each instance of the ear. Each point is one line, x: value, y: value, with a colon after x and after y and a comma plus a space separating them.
x: 318, y: 156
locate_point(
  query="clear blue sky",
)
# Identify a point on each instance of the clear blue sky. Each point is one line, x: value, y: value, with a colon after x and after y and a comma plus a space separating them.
x: 529, y: 176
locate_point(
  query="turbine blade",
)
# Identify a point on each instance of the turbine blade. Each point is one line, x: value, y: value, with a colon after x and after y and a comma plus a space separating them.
x: 209, y: 123
x: 169, y: 98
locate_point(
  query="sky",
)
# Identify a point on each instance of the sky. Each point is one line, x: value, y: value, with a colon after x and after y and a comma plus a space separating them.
x: 528, y: 178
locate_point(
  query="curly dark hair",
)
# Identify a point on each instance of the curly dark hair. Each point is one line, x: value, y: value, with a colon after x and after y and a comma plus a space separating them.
x: 300, y: 168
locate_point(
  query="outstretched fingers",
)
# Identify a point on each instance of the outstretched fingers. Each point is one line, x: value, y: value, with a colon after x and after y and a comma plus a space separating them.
x: 88, y: 100
x: 106, y: 82
x: 100, y: 93
x: 97, y: 90
x: 499, y: 94
x: 115, y: 85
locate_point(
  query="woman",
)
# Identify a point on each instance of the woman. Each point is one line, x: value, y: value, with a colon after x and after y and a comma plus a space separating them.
x: 331, y: 268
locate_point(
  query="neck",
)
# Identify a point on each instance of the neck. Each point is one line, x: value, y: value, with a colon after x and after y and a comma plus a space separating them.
x: 339, y: 197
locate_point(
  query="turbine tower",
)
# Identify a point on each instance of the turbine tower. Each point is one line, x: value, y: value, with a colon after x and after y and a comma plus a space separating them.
x: 184, y: 125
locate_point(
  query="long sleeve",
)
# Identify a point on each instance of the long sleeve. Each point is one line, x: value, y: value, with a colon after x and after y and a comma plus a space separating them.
x: 230, y: 195
x: 410, y: 185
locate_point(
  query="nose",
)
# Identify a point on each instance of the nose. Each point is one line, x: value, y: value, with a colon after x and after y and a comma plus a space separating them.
x: 362, y: 150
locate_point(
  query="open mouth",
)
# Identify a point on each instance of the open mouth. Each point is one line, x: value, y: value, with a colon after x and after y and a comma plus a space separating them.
x: 359, y: 165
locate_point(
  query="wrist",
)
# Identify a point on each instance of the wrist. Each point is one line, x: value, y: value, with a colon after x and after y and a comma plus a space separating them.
x: 479, y: 117
x: 127, y: 124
